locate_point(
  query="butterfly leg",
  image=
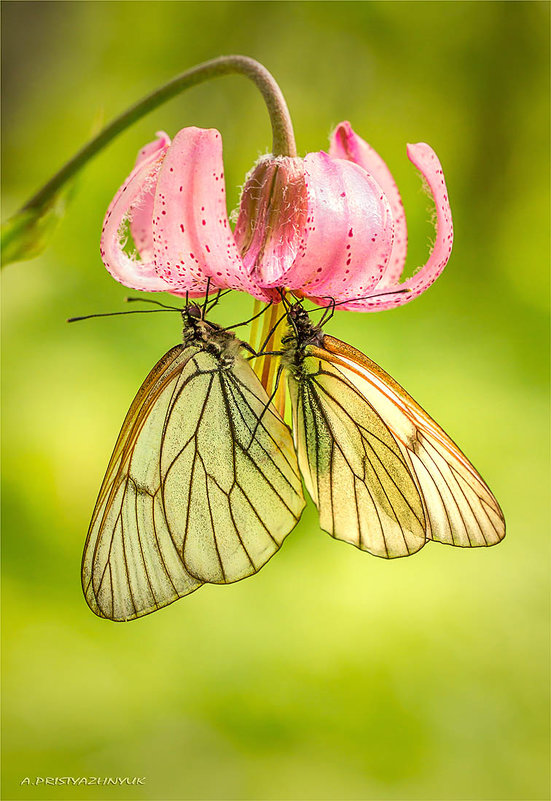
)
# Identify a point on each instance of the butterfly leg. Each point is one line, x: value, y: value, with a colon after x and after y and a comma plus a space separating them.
x: 267, y: 405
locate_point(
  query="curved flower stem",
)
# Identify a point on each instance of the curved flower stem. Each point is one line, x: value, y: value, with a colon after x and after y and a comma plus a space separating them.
x: 282, y: 128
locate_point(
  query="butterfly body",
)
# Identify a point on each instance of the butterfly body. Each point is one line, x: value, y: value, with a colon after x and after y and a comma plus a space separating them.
x: 196, y: 490
x: 384, y: 475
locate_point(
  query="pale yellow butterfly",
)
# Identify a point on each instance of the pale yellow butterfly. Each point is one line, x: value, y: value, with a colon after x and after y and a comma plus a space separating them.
x: 203, y: 484
x: 384, y: 476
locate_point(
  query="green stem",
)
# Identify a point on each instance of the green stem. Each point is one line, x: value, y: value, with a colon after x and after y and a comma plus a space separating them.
x: 282, y: 128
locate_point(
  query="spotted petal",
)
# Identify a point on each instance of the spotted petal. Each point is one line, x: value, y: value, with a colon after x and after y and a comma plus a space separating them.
x: 426, y: 161
x: 347, y: 240
x: 192, y: 237
x: 133, y: 201
x: 142, y: 217
x: 346, y: 144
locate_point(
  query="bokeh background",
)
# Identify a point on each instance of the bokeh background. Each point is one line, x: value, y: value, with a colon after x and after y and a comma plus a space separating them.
x: 331, y: 675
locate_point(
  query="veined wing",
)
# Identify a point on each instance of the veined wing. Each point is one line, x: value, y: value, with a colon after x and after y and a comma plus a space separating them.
x: 130, y: 565
x: 201, y: 486
x: 231, y: 486
x: 352, y: 466
x: 459, y: 506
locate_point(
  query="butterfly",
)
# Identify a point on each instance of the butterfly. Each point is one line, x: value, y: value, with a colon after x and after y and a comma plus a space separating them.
x: 383, y: 475
x: 203, y: 484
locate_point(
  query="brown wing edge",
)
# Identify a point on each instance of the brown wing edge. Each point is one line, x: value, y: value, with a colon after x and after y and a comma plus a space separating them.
x: 342, y: 354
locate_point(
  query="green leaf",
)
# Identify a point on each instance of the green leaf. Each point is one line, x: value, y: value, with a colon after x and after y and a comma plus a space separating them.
x: 28, y: 232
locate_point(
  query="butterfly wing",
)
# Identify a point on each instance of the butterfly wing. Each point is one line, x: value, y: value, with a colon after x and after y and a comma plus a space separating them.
x: 460, y: 508
x: 130, y: 565
x: 352, y: 465
x: 231, y: 485
x: 199, y: 487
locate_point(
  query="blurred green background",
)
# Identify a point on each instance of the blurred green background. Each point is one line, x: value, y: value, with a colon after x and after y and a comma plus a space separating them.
x: 330, y: 675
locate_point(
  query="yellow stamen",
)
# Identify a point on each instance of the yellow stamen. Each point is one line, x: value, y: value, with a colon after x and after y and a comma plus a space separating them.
x: 267, y: 373
x: 266, y: 367
x: 255, y: 323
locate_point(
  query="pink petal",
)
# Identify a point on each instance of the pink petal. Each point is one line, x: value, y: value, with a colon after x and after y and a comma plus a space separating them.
x: 130, y: 198
x: 346, y: 144
x: 348, y: 237
x: 426, y: 161
x: 141, y: 226
x: 272, y: 216
x: 192, y: 237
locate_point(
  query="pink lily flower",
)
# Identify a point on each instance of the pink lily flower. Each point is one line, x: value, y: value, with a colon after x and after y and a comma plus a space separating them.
x: 329, y: 227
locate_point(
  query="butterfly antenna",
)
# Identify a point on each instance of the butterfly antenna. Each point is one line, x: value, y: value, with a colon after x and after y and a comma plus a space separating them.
x: 328, y: 313
x: 204, y: 309
x: 288, y: 308
x: 404, y: 291
x: 150, y: 300
x: 254, y: 317
x: 285, y: 302
x: 220, y: 294
x: 332, y: 304
x: 116, y: 314
x: 213, y: 303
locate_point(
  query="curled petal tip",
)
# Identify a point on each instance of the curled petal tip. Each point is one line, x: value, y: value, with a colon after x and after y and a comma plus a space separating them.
x: 133, y: 202
x: 425, y: 159
x: 346, y: 144
x: 158, y: 145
